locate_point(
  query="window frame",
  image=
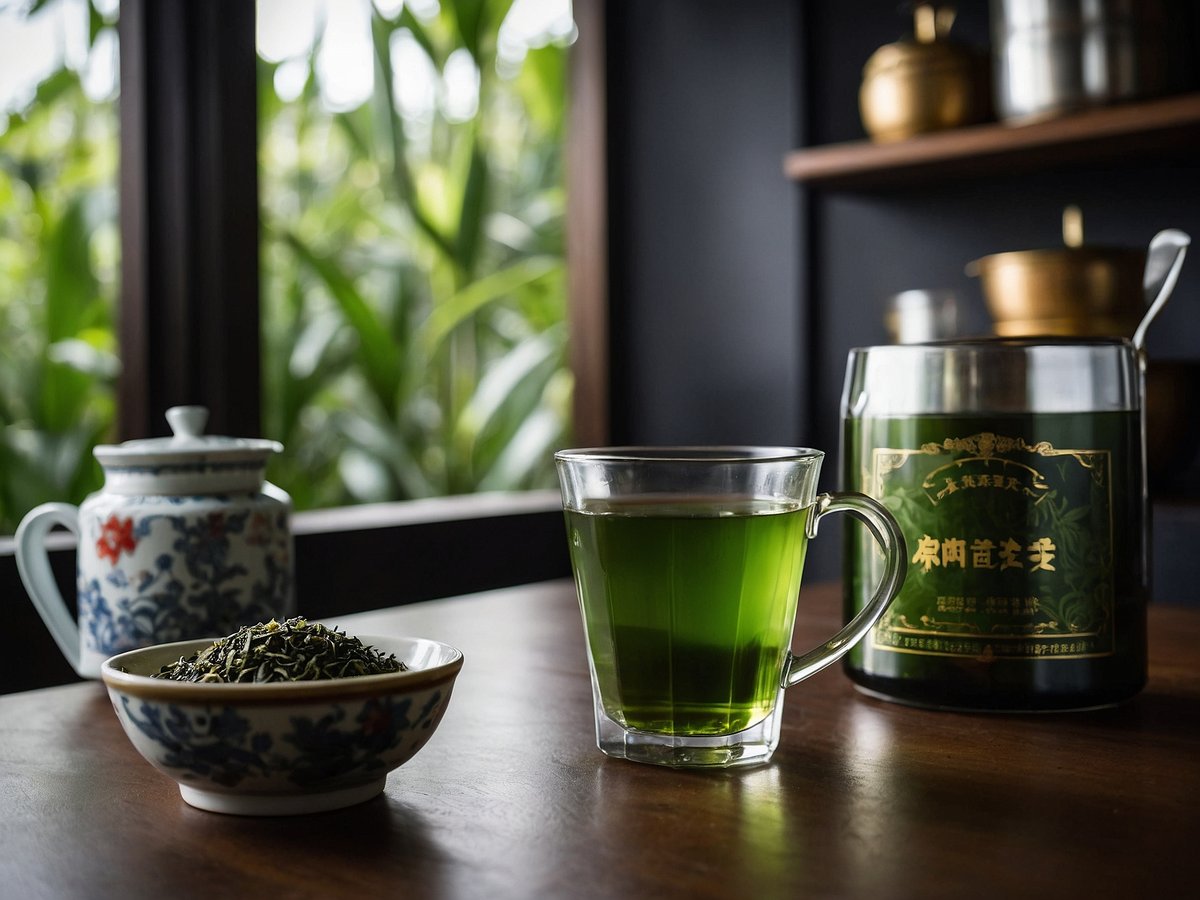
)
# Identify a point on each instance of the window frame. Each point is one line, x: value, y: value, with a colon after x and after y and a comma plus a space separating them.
x: 189, y: 298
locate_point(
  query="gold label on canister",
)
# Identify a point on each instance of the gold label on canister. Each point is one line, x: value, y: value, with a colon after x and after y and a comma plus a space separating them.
x: 1010, y: 544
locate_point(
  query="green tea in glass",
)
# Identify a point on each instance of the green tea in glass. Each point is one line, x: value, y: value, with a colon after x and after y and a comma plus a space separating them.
x: 688, y: 565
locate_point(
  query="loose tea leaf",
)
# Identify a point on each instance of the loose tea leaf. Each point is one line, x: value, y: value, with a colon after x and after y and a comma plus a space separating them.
x: 292, y: 650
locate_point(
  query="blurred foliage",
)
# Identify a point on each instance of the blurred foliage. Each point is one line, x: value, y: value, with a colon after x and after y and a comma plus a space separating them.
x: 414, y: 296
x: 58, y: 275
x: 413, y: 278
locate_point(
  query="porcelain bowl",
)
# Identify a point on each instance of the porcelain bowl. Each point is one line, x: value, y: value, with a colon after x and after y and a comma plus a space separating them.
x: 282, y: 748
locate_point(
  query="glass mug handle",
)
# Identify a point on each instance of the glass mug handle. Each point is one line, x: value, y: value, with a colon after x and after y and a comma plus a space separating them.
x: 887, y: 534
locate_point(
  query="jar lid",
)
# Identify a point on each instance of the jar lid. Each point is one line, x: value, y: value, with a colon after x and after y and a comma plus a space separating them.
x: 993, y: 375
x: 187, y: 445
x: 190, y: 462
x: 1073, y: 253
x: 915, y: 56
x: 929, y: 50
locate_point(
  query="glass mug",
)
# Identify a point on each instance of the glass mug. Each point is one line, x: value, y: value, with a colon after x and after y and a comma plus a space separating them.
x: 687, y: 563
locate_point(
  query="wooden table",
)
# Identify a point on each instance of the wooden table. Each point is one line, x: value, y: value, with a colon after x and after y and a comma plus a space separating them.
x: 511, y: 798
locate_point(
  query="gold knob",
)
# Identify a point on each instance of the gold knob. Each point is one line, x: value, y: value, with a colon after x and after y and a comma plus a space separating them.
x: 1072, y: 226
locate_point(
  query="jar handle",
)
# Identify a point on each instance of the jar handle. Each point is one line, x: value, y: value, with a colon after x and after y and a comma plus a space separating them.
x: 33, y: 564
x: 895, y: 551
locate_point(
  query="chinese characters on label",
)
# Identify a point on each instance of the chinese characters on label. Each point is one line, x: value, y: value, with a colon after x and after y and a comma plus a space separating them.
x: 960, y: 645
x: 968, y: 482
x: 1004, y: 606
x: 983, y: 553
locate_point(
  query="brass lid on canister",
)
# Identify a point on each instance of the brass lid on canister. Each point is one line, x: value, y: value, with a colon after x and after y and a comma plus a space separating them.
x: 1075, y: 290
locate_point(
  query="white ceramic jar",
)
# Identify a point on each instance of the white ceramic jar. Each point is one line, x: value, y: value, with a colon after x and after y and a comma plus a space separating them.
x: 185, y: 540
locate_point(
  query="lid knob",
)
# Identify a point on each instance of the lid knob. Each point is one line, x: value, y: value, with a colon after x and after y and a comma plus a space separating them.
x: 932, y: 24
x: 187, y: 422
x: 1072, y: 226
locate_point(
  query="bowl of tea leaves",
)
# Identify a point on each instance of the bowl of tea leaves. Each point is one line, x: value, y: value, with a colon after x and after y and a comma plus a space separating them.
x: 282, y: 718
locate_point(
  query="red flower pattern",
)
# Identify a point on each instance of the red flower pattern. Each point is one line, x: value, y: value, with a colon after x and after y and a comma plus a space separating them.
x: 216, y: 525
x: 116, y: 537
x: 376, y: 719
x: 258, y: 534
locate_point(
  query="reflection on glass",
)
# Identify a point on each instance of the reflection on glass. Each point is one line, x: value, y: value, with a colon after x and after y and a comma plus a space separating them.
x: 59, y: 248
x: 413, y: 281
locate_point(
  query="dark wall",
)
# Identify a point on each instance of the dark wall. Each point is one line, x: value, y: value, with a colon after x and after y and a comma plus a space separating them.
x: 705, y: 234
x: 737, y: 294
x: 868, y: 246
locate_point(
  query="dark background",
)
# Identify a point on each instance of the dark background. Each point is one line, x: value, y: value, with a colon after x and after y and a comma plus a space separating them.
x: 736, y: 293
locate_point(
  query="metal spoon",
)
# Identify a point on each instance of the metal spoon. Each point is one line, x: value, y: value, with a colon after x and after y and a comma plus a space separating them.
x: 1164, y: 260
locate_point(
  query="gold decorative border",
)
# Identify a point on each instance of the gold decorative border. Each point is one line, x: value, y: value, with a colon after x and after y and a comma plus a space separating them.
x: 987, y: 445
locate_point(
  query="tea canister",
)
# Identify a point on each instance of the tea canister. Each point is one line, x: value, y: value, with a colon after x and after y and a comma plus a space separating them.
x: 1015, y: 469
x: 185, y: 540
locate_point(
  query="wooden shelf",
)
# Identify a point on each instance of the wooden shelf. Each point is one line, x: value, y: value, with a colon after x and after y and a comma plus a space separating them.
x: 1164, y: 128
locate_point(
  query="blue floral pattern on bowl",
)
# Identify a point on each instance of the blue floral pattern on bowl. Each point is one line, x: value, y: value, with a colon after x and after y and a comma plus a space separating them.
x: 342, y: 744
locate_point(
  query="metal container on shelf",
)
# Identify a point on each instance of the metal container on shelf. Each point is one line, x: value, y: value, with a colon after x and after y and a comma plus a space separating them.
x: 929, y: 83
x: 1078, y: 289
x: 1058, y: 56
x: 918, y: 316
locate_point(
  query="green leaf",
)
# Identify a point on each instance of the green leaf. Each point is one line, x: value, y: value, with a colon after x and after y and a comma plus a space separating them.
x: 379, y: 356
x: 376, y: 440
x: 542, y: 85
x: 468, y: 21
x: 95, y: 23
x: 421, y: 35
x: 269, y: 103
x: 507, y: 395
x: 73, y: 298
x: 42, y: 466
x: 527, y: 454
x: 471, y: 214
x: 85, y: 358
x: 357, y: 125
x: 50, y: 89
x: 397, y: 144
x: 456, y: 309
x: 477, y: 23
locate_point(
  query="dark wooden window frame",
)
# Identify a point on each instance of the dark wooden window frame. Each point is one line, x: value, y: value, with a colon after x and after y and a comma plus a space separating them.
x: 189, y: 321
x: 189, y: 216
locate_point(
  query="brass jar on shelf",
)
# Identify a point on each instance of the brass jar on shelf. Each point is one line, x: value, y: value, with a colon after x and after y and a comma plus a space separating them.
x: 1074, y: 290
x: 927, y: 84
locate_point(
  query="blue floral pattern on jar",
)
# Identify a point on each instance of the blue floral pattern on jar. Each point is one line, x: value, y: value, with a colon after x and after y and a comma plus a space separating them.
x: 182, y: 567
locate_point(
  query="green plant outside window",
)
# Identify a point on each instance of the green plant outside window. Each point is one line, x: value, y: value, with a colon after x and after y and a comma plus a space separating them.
x: 414, y: 297
x: 59, y: 251
x: 413, y: 275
